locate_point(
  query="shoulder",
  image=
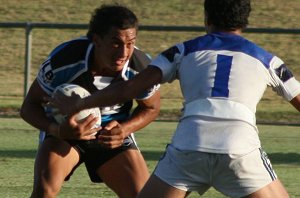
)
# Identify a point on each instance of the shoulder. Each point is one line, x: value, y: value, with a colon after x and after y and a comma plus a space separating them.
x: 139, y: 60
x: 219, y: 41
x: 69, y: 52
x: 257, y: 52
x: 65, y: 63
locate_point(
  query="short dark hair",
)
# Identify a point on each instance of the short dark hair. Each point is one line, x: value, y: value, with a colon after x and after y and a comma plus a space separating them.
x: 107, y: 16
x: 228, y: 14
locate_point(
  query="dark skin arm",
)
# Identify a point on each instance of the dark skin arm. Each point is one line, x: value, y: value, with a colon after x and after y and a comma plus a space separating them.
x: 109, y: 96
x: 106, y: 97
x: 114, y: 133
x: 33, y: 113
x: 113, y: 94
x: 296, y: 102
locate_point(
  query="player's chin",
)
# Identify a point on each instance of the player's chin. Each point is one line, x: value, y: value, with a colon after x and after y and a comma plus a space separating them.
x: 119, y: 63
x: 118, y: 67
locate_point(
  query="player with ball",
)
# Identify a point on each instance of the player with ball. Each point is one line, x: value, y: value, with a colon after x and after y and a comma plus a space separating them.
x: 84, y: 65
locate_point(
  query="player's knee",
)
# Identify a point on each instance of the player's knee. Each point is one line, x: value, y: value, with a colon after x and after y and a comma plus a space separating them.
x: 129, y: 193
x: 46, y: 188
x: 45, y: 191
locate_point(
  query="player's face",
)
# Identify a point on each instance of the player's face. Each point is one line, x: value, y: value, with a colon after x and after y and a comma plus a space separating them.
x: 114, y: 49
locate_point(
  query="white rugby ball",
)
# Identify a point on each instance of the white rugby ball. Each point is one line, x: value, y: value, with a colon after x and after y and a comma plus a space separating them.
x: 68, y: 89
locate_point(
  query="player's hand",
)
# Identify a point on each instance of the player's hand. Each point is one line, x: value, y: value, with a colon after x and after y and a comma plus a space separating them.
x: 67, y: 105
x: 112, y: 136
x: 83, y: 130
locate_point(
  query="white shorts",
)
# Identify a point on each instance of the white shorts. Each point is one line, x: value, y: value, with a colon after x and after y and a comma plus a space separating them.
x: 232, y: 175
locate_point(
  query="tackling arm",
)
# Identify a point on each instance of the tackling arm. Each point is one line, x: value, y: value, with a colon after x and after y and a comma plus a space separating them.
x: 115, y: 93
x: 296, y: 102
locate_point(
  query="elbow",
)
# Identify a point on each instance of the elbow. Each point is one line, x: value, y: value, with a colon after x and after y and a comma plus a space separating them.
x: 155, y: 107
x: 23, y: 112
x: 296, y: 102
x: 156, y: 111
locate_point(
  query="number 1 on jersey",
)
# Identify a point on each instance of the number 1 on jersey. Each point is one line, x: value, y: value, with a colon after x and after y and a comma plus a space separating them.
x: 220, y: 88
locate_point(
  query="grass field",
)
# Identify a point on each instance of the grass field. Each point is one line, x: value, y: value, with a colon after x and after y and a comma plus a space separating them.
x: 18, y: 145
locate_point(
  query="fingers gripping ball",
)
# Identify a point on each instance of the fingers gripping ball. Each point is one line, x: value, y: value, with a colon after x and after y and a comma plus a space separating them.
x: 68, y: 89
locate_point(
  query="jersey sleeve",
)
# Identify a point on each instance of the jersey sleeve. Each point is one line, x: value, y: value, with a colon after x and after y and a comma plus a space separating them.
x: 148, y: 93
x: 282, y: 80
x: 64, y: 64
x: 50, y: 76
x: 168, y: 62
x: 139, y: 62
x: 46, y: 76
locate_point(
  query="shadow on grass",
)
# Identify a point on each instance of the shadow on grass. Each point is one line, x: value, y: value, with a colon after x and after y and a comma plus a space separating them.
x: 152, y: 155
x: 276, y: 158
x: 284, y: 158
x: 18, y: 153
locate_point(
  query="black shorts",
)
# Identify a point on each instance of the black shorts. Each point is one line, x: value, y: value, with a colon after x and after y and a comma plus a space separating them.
x: 94, y: 155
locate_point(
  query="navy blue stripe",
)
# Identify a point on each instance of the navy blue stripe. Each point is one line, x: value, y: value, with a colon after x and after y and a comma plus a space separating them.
x: 284, y: 73
x: 170, y: 53
x: 58, y: 48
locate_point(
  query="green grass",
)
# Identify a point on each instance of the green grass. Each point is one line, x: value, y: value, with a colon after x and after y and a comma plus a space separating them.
x: 18, y: 144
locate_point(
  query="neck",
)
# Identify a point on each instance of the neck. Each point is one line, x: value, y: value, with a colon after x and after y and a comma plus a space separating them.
x: 98, y: 71
x: 211, y: 29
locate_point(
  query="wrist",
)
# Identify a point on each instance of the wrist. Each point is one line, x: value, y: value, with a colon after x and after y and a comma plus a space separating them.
x: 80, y: 105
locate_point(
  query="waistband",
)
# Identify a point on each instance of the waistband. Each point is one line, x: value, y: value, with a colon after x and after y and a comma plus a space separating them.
x: 219, y: 108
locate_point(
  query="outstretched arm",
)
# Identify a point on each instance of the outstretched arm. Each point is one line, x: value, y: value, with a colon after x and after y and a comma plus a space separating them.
x: 296, y: 102
x: 113, y: 94
x: 116, y: 93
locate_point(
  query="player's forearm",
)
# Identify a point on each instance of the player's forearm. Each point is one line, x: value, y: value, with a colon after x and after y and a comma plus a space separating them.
x: 109, y: 96
x: 122, y: 91
x: 139, y: 120
x: 143, y: 114
x: 296, y: 102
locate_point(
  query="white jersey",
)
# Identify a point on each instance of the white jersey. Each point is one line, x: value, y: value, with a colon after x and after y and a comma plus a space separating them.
x: 222, y: 78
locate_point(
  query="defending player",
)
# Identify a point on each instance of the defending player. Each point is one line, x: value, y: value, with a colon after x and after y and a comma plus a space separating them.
x: 222, y: 76
x: 107, y: 55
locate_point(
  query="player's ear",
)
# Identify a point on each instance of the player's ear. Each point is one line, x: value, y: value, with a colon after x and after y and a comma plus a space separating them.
x: 207, y: 21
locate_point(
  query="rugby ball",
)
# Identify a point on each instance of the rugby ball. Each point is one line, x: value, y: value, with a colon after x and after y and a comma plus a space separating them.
x: 68, y: 89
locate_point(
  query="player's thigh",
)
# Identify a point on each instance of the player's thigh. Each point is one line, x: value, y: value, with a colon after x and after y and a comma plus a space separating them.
x: 126, y: 173
x: 272, y: 190
x: 55, y: 160
x: 155, y: 187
